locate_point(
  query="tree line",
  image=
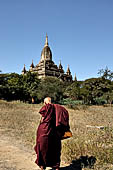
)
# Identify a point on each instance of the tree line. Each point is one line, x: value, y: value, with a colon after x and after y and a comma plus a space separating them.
x: 29, y: 88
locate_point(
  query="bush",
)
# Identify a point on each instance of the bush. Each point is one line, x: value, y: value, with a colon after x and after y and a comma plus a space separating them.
x: 69, y: 101
x: 100, y: 101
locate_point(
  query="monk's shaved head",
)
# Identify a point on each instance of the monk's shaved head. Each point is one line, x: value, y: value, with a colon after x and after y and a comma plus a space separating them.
x: 47, y: 100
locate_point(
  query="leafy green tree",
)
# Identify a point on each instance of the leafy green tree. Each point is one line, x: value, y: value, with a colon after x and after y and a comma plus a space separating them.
x: 73, y: 91
x: 3, y: 86
x: 85, y: 95
x: 94, y: 88
x: 106, y: 73
x: 52, y: 87
x: 108, y: 97
x: 15, y: 87
x: 30, y: 86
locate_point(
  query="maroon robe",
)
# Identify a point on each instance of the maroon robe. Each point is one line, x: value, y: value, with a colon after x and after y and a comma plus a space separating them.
x: 62, y: 116
x: 48, y: 142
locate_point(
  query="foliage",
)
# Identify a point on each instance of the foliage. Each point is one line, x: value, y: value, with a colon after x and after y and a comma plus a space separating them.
x: 18, y: 87
x: 67, y: 101
x: 106, y: 73
x: 15, y: 88
x: 109, y: 96
x: 100, y: 101
x: 90, y: 91
x: 3, y: 86
x: 51, y: 87
x: 30, y: 83
x: 94, y: 88
x: 73, y: 91
x: 30, y: 88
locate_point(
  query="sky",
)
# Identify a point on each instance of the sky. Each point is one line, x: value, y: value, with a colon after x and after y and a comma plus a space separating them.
x: 80, y: 33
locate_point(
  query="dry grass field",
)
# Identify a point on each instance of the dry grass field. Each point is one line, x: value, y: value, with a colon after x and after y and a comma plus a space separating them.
x: 91, y: 146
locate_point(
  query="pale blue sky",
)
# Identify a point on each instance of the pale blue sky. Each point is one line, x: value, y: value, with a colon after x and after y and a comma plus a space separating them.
x: 80, y: 33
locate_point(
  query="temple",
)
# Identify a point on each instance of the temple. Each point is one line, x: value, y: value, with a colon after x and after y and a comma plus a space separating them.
x: 46, y: 67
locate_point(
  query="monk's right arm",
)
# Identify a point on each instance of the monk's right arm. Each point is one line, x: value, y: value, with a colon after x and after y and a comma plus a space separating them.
x: 42, y: 118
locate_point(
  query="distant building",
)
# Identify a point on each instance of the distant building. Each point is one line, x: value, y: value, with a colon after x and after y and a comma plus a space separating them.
x: 46, y: 67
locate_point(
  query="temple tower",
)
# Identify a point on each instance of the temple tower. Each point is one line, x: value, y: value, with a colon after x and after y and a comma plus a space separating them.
x: 47, y: 67
x: 46, y: 53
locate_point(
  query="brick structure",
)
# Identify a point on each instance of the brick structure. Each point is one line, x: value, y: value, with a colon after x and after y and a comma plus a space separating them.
x: 46, y: 67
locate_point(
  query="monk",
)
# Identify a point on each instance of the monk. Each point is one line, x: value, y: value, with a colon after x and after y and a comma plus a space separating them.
x: 49, y: 135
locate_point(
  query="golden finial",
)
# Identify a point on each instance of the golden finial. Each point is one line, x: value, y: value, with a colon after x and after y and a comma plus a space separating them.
x: 46, y: 42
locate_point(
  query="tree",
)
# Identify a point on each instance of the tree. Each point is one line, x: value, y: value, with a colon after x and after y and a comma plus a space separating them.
x: 94, y: 88
x: 3, y: 86
x: 108, y: 97
x: 106, y: 73
x: 73, y: 91
x: 30, y: 86
x: 52, y: 87
x: 15, y: 87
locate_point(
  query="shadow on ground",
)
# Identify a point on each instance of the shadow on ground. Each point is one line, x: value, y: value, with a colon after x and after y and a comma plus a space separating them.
x: 82, y: 162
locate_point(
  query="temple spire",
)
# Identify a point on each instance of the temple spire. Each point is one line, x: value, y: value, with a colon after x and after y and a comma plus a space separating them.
x: 68, y: 71
x: 60, y: 65
x: 46, y: 42
x: 32, y: 65
x: 75, y: 78
x: 24, y: 70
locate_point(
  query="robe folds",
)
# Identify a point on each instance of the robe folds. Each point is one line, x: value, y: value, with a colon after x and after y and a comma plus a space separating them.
x: 49, y: 133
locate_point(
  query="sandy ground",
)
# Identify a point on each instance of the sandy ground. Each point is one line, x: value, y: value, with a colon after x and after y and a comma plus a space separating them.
x: 13, y: 156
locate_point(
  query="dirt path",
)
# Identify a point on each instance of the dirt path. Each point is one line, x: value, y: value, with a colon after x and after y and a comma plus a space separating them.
x: 13, y: 156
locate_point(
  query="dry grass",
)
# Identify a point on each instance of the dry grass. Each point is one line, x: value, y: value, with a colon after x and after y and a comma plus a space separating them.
x: 21, y: 120
x: 92, y: 129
